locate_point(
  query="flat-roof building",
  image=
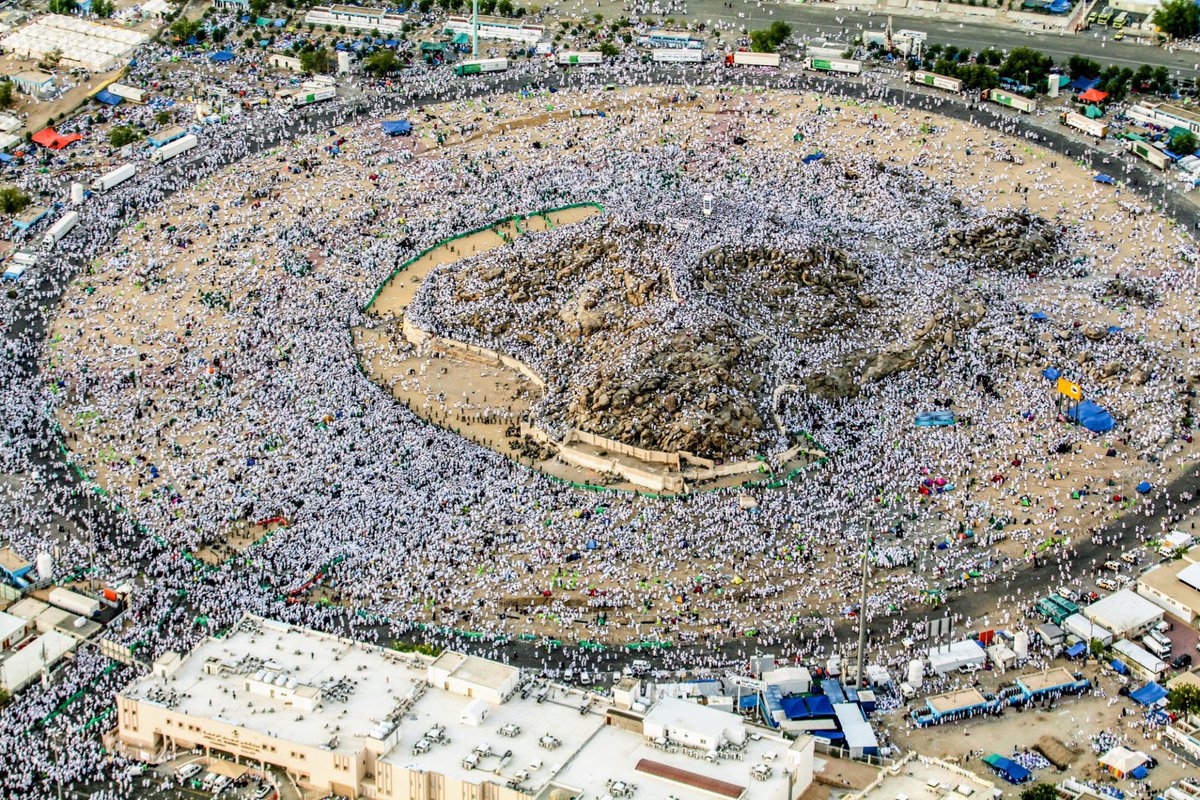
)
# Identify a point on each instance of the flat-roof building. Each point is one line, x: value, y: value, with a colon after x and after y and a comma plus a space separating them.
x: 357, y: 719
x: 356, y: 18
x: 1124, y: 613
x: 922, y: 778
x: 1175, y: 586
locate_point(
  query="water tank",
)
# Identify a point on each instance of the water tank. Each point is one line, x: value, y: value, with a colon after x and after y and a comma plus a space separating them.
x: 916, y: 673
x: 258, y: 676
x: 1021, y: 644
x: 292, y: 683
x: 45, y: 566
x: 76, y: 193
x: 343, y: 62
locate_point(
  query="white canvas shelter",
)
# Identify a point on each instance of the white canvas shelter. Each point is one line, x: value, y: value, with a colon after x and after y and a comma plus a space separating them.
x: 86, y: 44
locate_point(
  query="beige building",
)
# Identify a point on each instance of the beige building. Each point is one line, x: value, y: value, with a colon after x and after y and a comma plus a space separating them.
x: 920, y: 778
x: 347, y: 717
x: 1175, y: 586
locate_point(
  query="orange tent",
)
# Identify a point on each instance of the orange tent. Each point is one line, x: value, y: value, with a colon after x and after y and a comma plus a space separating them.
x: 48, y: 137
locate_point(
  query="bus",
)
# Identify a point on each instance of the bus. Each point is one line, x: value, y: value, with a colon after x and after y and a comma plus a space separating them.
x: 1105, y: 16
x: 1121, y: 20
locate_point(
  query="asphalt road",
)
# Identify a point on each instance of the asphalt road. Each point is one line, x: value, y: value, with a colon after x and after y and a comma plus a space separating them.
x: 824, y: 19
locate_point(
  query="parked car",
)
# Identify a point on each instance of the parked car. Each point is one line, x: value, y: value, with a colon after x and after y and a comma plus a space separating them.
x: 1182, y: 661
x: 188, y: 770
x: 1107, y: 584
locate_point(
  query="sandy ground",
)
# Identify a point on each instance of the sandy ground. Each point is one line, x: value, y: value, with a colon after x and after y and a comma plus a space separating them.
x: 111, y: 325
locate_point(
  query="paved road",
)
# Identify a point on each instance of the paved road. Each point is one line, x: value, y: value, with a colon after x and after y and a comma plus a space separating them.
x: 821, y: 19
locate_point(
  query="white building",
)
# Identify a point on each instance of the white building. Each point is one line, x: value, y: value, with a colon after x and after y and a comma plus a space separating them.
x: 98, y: 48
x: 959, y: 654
x: 1080, y: 626
x: 1175, y: 586
x: 360, y: 720
x: 19, y: 668
x: 1125, y: 613
x: 356, y: 18
x: 1141, y: 661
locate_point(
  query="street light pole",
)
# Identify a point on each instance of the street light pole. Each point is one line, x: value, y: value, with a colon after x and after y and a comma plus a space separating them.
x: 475, y: 28
x: 862, y: 609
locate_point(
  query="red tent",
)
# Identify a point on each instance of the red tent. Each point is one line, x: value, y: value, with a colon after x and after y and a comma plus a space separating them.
x: 1093, y: 96
x: 48, y: 137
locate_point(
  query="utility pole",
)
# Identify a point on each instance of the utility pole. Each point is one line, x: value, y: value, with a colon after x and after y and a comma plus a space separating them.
x: 862, y: 608
x: 475, y: 28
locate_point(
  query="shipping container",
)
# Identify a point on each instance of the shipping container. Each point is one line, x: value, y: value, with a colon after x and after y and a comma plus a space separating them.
x: 1010, y: 99
x: 1092, y: 127
x: 676, y: 56
x: 833, y: 65
x: 114, y: 178
x: 936, y: 81
x: 481, y: 65
x: 60, y: 229
x: 306, y: 97
x: 571, y: 57
x: 169, y: 151
x: 74, y: 601
x: 744, y: 58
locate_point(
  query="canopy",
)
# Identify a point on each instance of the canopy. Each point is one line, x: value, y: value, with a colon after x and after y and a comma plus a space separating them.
x: 1102, y: 178
x: 1143, y: 487
x: 1039, y: 315
x: 1051, y: 374
x: 1149, y: 694
x: 105, y: 96
x: 1091, y: 416
x: 1093, y: 95
x: 1076, y: 650
x: 1119, y: 667
x: 432, y: 47
x: 1092, y: 112
x: 1008, y: 769
x: 1083, y: 84
x: 48, y: 137
x: 817, y: 156
x: 1059, y: 6
x: 396, y: 127
x: 222, y: 56
x: 1122, y: 760
x: 460, y: 38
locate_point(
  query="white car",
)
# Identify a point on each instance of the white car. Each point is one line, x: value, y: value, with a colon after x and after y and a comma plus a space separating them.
x: 188, y: 770
x: 263, y: 791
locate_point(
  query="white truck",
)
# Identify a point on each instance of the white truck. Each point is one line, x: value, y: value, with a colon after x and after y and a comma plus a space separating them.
x: 1152, y: 155
x: 172, y: 149
x: 75, y: 602
x: 1092, y: 127
x: 745, y: 58
x: 676, y: 55
x: 568, y: 58
x: 1010, y: 99
x: 920, y: 76
x: 114, y: 178
x: 60, y: 229
x: 305, y: 97
x: 481, y: 65
x: 844, y: 65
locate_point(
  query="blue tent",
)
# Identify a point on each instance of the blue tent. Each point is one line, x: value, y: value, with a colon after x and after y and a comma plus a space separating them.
x: 1008, y: 769
x: 1059, y: 6
x: 1039, y: 315
x: 592, y: 544
x: 105, y: 96
x: 817, y: 156
x: 1083, y: 84
x: 1115, y: 329
x: 1144, y: 487
x: 1076, y: 650
x: 1149, y: 694
x: 1119, y: 667
x: 1092, y: 417
x: 396, y: 127
x: 392, y: 43
x: 1102, y: 178
x: 1139, y: 772
x: 1051, y: 374
x: 222, y: 56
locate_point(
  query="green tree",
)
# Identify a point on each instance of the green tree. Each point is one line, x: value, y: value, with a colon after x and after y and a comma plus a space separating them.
x: 607, y: 49
x: 1161, y: 83
x: 1026, y: 65
x: 504, y: 8
x: 1178, y: 19
x: 6, y: 94
x: 944, y: 66
x: 162, y: 117
x: 102, y: 8
x: 487, y: 6
x: 1183, y: 143
x: 1095, y: 648
x: 183, y: 29
x: 122, y: 135
x: 1183, y: 699
x: 219, y: 34
x: 978, y: 76
x: 382, y: 62
x: 62, y: 7
x: 1080, y: 67
x: 316, y: 60
x: 768, y: 40
x: 1040, y: 791
x: 12, y: 200
x: 260, y: 8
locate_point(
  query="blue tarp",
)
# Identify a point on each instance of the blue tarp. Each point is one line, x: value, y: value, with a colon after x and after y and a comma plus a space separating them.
x: 1144, y: 487
x: 819, y: 705
x: 833, y: 690
x: 933, y: 418
x: 1008, y: 769
x: 221, y: 55
x: 1102, y: 178
x: 1039, y: 315
x: 1119, y: 667
x: 1051, y: 374
x: 105, y: 96
x: 1060, y: 6
x: 817, y: 156
x: 1115, y: 329
x: 1091, y: 416
x: 1076, y: 650
x: 1083, y: 84
x: 396, y: 127
x: 795, y: 708
x: 1139, y: 772
x: 1149, y: 694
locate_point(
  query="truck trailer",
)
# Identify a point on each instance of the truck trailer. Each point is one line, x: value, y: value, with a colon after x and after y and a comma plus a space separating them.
x: 923, y: 78
x: 306, y: 97
x: 569, y: 58
x: 1093, y: 127
x: 169, y: 151
x: 60, y: 229
x: 744, y: 58
x: 477, y: 66
x: 114, y: 178
x: 676, y: 55
x: 843, y: 65
x: 1010, y: 99
x: 1148, y: 153
x: 75, y: 602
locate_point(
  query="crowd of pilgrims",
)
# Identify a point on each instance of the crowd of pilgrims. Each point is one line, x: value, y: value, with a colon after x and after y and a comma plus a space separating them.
x: 405, y: 522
